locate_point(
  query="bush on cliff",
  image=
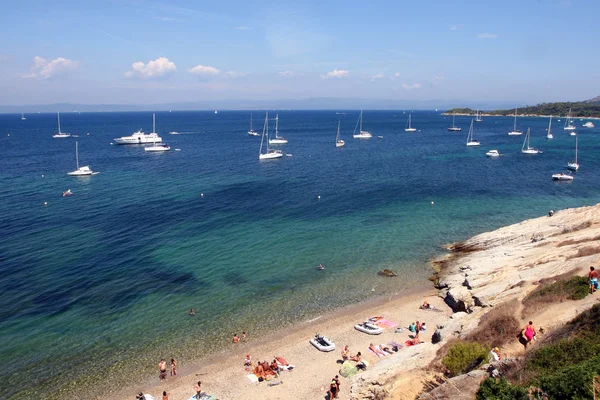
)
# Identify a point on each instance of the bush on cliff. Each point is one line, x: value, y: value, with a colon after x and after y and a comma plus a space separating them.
x: 464, y: 357
x: 492, y: 389
x: 555, y: 290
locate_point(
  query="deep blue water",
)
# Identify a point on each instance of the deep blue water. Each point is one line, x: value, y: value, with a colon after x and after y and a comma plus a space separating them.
x: 98, y: 284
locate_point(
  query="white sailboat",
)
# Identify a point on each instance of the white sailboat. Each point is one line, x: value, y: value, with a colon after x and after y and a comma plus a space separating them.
x: 493, y: 153
x: 470, y: 140
x: 454, y: 128
x: 60, y: 134
x: 574, y: 165
x: 270, y: 153
x: 252, y: 132
x: 562, y: 177
x: 549, y: 135
x: 569, y: 123
x: 409, y: 127
x: 156, y: 147
x: 80, y: 171
x: 361, y: 134
x: 515, y: 131
x: 339, y: 142
x: 588, y: 124
x: 478, y: 117
x: 278, y: 139
x: 528, y: 149
x: 23, y: 117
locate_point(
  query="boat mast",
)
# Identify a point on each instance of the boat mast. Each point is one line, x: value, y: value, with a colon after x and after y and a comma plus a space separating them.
x: 453, y: 117
x: 77, y: 155
x: 575, y: 149
x: 153, y: 123
x: 250, y: 122
x: 360, y: 130
x: 276, y: 126
x: 515, y: 126
x: 337, y: 137
x: 58, y: 113
x: 550, y: 126
x: 409, y: 115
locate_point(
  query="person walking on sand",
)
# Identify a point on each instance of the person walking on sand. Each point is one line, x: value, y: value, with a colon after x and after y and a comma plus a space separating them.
x: 162, y: 368
x: 528, y: 333
x: 337, y: 382
x: 333, y: 390
x: 593, y: 279
x: 173, y: 367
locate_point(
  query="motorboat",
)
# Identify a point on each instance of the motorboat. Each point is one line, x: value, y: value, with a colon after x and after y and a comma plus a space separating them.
x: 588, y: 124
x: 67, y: 193
x: 60, y: 135
x: 493, y: 153
x: 157, y: 147
x: 572, y: 133
x: 562, y: 177
x: 140, y: 137
x: 368, y: 328
x: 322, y: 343
x: 361, y: 134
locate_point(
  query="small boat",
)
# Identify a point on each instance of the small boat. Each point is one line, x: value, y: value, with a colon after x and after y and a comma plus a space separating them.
x: 478, y: 117
x: 588, y: 124
x: 157, y: 147
x: 409, y: 127
x: 320, y: 267
x: 339, y: 142
x: 60, y: 134
x: 80, y: 171
x: 271, y: 153
x: 569, y: 123
x: 549, y: 135
x: 140, y: 137
x: 562, y: 177
x: 493, y: 153
x: 67, y: 193
x: 278, y: 139
x: 361, y: 134
x: 252, y: 132
x: 515, y: 131
x: 454, y: 128
x: 574, y: 165
x: 379, y: 137
x: 23, y: 118
x: 470, y: 140
x: 368, y: 328
x: 572, y: 133
x: 174, y: 133
x: 529, y: 149
x: 216, y: 112
x: 322, y: 343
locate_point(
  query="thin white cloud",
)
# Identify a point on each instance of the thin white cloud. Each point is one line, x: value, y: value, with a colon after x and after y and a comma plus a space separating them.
x: 396, y: 75
x: 156, y: 69
x: 438, y: 78
x: 204, y: 71
x: 43, y: 69
x: 487, y: 36
x: 377, y: 76
x: 336, y: 73
x: 406, y: 86
x: 286, y: 73
x: 242, y: 28
x: 455, y: 27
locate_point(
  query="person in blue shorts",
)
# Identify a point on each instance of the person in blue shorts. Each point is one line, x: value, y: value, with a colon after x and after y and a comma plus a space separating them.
x: 593, y: 279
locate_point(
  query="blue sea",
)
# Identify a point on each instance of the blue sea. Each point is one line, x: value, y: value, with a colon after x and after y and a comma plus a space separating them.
x: 96, y: 287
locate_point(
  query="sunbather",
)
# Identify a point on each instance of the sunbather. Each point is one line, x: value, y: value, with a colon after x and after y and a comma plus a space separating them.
x: 376, y: 350
x: 384, y: 348
x: 345, y: 353
x: 357, y: 357
x: 275, y: 367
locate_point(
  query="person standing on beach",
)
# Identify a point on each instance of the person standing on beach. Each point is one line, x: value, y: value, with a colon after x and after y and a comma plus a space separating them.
x: 165, y: 395
x: 235, y: 339
x: 417, y: 329
x: 243, y: 336
x: 198, y: 389
x: 173, y: 367
x: 162, y: 367
x: 337, y: 383
x: 593, y: 279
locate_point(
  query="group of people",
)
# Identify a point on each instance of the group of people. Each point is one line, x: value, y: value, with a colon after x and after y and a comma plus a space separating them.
x: 162, y: 368
x: 356, y: 358
x: 264, y: 369
x: 417, y: 327
x: 236, y: 338
x: 334, y: 388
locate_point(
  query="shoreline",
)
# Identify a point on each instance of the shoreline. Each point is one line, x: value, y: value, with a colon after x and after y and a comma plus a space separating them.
x: 518, y: 115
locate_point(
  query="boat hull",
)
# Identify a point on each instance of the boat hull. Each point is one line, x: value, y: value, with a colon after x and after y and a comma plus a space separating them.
x: 278, y: 141
x: 270, y: 156
x: 410, y: 130
x: 455, y: 129
x: 515, y: 133
x: 340, y: 143
x: 471, y: 144
x: 562, y: 177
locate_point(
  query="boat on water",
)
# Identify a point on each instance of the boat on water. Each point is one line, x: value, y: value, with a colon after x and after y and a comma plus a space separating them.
x: 339, y: 142
x: 270, y: 153
x: 515, y: 131
x: 60, y: 135
x: 478, y: 117
x: 528, y: 149
x: 454, y: 128
x: 588, y: 124
x: 409, y: 127
x: 569, y: 126
x: 470, y: 140
x: 572, y: 133
x: 23, y: 118
x: 252, y: 132
x: 361, y: 134
x: 277, y: 139
x: 157, y: 147
x: 140, y: 137
x: 174, y: 133
x: 493, y: 153
x: 80, y: 171
x: 549, y: 135
x: 562, y: 177
x: 574, y: 165
x: 67, y: 193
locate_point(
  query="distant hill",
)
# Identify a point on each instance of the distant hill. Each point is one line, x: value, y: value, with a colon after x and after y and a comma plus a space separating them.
x: 579, y: 109
x: 593, y: 100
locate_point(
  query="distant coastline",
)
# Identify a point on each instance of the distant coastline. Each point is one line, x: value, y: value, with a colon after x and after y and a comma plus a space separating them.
x: 512, y: 115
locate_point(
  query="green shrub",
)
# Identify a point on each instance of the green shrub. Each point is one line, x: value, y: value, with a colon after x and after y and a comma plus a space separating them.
x: 573, y: 382
x: 491, y: 389
x: 555, y: 290
x: 464, y: 357
x: 563, y: 354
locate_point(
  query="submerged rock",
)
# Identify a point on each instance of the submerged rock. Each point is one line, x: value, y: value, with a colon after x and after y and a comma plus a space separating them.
x: 387, y: 272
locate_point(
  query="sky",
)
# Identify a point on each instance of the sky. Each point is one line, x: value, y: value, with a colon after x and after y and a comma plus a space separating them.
x: 150, y: 52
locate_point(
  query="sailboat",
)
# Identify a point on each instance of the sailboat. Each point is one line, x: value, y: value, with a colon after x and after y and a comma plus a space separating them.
x: 549, y: 135
x: 574, y: 165
x: 470, y: 140
x: 156, y: 147
x: 528, y: 149
x: 515, y: 131
x: 60, y: 134
x: 271, y: 153
x: 361, y: 134
x: 80, y: 171
x: 409, y: 128
x: 454, y: 128
x: 478, y: 117
x: 278, y: 139
x: 339, y: 142
x: 252, y: 132
x: 23, y: 117
x: 569, y: 123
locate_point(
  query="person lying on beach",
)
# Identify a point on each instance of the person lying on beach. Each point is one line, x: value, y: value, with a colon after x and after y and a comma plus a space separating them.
x: 385, y: 349
x: 259, y: 372
x: 412, y: 342
x: 357, y: 357
x: 345, y: 353
x: 426, y: 306
x: 376, y: 350
x: 275, y: 367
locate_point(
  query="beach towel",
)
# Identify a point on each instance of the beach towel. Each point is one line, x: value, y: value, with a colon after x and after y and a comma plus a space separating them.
x: 412, y: 342
x: 378, y: 355
x: 253, y: 378
x: 203, y: 396
x: 347, y: 370
x: 384, y: 323
x: 396, y: 344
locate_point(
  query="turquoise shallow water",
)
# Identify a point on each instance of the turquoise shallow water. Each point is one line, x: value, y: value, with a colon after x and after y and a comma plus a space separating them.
x: 97, y: 285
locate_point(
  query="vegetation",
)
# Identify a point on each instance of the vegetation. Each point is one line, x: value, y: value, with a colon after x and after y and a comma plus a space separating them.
x: 464, y: 357
x: 497, y: 327
x: 492, y: 389
x: 555, y: 290
x: 580, y: 109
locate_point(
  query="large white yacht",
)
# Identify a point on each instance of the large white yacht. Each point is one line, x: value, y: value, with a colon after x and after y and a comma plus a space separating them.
x: 140, y: 137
